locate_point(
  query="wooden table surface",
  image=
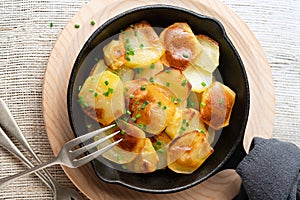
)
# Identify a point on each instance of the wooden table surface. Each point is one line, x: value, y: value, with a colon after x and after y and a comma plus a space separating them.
x: 26, y: 41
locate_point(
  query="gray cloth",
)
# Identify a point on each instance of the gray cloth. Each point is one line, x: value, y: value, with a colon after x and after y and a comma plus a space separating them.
x: 271, y: 170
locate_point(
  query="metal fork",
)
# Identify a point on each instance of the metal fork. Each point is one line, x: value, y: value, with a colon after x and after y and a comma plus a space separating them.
x: 8, y: 122
x: 69, y: 157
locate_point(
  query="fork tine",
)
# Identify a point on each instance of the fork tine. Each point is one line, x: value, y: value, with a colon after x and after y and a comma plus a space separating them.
x: 81, y: 161
x: 85, y: 148
x: 87, y: 136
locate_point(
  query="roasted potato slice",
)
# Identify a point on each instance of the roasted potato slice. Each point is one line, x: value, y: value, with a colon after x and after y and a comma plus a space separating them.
x: 185, y: 121
x: 129, y: 148
x: 114, y: 54
x: 99, y: 67
x: 188, y: 151
x: 208, y: 60
x: 161, y: 143
x: 199, y: 78
x: 147, y: 106
x: 101, y: 97
x: 216, y: 105
x: 146, y: 161
x: 181, y: 45
x: 174, y: 81
x: 142, y: 45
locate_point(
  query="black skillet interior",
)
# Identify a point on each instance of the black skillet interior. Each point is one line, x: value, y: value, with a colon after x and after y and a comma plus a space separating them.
x: 230, y: 68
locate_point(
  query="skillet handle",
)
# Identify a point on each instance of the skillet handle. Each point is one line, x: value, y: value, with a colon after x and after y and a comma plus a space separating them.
x: 235, y: 158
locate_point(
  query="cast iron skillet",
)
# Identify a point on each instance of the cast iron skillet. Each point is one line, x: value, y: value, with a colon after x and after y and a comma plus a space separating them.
x: 228, y: 150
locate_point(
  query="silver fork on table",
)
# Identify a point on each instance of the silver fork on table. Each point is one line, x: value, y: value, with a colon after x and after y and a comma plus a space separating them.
x: 7, y: 121
x: 69, y: 157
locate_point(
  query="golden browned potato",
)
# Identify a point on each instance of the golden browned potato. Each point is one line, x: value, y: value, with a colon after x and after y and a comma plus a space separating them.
x: 142, y: 45
x: 208, y: 60
x: 101, y: 97
x: 185, y: 120
x: 146, y: 161
x: 187, y: 152
x: 161, y: 143
x: 129, y: 148
x: 181, y: 45
x: 147, y: 106
x: 199, y: 78
x: 216, y: 105
x: 175, y: 81
x: 114, y: 54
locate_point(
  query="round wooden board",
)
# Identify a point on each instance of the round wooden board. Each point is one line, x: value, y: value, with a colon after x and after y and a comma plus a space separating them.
x: 225, y: 184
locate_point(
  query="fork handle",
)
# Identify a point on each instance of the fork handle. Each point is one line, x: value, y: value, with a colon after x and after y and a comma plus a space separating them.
x: 7, y: 144
x: 8, y: 122
x: 7, y: 180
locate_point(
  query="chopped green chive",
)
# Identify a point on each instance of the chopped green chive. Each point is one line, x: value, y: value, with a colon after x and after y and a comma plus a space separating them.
x: 51, y: 24
x: 89, y: 126
x: 77, y: 25
x: 159, y: 143
x: 133, y: 119
x: 168, y: 71
x: 110, y: 90
x: 202, y: 131
x: 106, y: 82
x: 91, y: 90
x: 184, y: 82
x: 185, y: 55
x: 203, y: 84
x: 165, y: 107
x: 151, y: 79
x: 141, y: 125
x: 131, y: 96
x: 93, y: 22
x: 184, y: 121
x: 173, y: 99
x: 79, y: 87
x: 179, y: 99
x: 152, y: 66
x: 143, y: 87
x: 82, y: 102
x: 138, y: 115
x: 95, y: 94
x: 96, y: 59
x: 123, y: 132
x: 118, y: 157
x: 159, y: 104
x: 221, y: 101
x: 131, y: 26
x: 182, y: 128
x: 145, y: 104
x: 141, y: 45
x: 160, y: 150
x: 202, y: 104
x: 128, y: 112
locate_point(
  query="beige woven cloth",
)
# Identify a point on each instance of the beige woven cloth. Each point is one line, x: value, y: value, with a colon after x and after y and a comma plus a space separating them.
x: 26, y: 41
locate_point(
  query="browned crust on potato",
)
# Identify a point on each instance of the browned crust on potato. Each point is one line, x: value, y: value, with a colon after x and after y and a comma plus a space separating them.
x: 216, y: 105
x: 205, y: 37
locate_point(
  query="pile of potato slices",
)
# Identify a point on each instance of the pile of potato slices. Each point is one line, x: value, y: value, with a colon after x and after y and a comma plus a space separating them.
x: 160, y: 91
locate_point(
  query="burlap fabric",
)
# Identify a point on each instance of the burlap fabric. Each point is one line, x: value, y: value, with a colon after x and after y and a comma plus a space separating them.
x: 26, y: 41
